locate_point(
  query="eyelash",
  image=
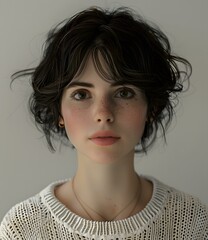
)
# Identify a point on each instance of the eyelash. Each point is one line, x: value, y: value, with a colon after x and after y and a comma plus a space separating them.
x: 120, y: 90
x: 129, y: 90
x: 73, y: 95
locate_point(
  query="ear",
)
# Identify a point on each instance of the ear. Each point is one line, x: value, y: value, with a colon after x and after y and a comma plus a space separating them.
x: 61, y: 122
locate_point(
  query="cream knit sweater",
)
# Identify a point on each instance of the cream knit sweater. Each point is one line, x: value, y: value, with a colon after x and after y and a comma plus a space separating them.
x: 170, y: 214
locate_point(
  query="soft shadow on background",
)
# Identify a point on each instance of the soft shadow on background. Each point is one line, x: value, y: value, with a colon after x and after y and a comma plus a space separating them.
x: 27, y: 166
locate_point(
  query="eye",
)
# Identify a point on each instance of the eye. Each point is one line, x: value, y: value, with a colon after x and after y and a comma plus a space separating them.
x: 125, y: 93
x: 80, y: 95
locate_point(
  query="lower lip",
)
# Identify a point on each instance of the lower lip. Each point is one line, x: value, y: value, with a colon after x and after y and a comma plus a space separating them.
x: 104, y: 141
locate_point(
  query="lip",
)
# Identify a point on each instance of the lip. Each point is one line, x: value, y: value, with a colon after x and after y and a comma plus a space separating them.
x: 104, y: 134
x: 104, y: 138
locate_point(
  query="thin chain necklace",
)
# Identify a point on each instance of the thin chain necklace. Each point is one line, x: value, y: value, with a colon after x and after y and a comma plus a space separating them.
x: 137, y: 193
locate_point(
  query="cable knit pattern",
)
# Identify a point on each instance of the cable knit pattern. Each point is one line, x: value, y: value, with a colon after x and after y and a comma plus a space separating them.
x: 170, y: 214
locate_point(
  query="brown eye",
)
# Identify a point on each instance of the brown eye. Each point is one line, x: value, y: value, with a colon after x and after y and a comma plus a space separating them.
x: 125, y: 93
x: 80, y: 95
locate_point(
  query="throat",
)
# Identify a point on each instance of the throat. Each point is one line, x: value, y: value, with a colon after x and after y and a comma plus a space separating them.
x: 108, y: 209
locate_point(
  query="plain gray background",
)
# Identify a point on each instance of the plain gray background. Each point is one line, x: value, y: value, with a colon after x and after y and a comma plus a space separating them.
x: 27, y: 166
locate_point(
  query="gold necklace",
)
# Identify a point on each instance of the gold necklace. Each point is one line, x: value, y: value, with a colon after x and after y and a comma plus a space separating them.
x: 137, y: 193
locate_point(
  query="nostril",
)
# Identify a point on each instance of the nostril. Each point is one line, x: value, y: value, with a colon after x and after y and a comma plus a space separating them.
x: 107, y: 120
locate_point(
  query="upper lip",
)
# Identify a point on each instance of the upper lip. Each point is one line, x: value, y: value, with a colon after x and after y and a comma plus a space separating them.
x: 101, y: 134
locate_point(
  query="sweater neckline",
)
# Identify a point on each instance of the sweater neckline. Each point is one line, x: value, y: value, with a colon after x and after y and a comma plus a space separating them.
x: 132, y: 224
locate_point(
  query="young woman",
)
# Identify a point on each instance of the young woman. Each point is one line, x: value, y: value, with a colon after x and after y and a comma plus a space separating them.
x: 107, y: 83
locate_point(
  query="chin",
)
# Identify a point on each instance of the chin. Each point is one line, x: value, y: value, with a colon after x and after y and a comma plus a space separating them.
x: 108, y: 157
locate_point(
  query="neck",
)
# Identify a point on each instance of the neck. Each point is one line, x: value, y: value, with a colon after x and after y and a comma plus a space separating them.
x: 107, y: 187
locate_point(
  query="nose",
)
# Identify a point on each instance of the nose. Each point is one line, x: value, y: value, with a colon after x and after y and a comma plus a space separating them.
x: 104, y: 112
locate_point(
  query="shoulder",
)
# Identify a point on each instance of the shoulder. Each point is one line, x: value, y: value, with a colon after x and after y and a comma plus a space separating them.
x: 182, y: 200
x: 175, y: 197
x: 25, y: 218
x: 186, y: 212
x: 21, y: 217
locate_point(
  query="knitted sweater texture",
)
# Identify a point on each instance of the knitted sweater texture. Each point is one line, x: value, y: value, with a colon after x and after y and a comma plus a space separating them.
x: 170, y: 214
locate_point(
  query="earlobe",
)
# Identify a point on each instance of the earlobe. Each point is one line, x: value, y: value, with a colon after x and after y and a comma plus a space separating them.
x: 61, y: 123
x: 149, y: 120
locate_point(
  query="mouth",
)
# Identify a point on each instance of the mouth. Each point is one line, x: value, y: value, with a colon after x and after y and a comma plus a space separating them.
x: 104, y: 141
x: 104, y: 138
x: 104, y: 134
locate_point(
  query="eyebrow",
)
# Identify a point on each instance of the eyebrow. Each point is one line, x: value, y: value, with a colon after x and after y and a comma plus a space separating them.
x: 90, y: 85
x: 81, y: 84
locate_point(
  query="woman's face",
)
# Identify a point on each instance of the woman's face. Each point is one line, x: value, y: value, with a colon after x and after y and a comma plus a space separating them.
x: 103, y: 121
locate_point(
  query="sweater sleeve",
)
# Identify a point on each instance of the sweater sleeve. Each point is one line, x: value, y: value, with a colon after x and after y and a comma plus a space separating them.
x: 23, y: 221
x: 199, y: 227
x: 8, y: 227
x: 205, y: 219
x: 206, y: 234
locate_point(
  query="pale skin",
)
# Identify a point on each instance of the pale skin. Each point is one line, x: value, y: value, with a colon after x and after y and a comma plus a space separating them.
x: 105, y: 178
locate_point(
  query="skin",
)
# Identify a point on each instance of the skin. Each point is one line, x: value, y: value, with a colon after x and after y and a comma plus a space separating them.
x: 105, y: 178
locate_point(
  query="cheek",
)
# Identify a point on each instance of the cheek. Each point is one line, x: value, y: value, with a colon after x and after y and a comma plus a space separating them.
x: 136, y: 116
x: 136, y: 125
x: 73, y: 120
x: 137, y: 122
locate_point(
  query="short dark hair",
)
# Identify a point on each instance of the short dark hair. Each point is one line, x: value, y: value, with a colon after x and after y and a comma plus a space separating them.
x: 136, y: 52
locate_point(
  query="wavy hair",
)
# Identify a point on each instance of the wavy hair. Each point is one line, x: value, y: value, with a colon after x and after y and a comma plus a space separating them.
x: 135, y: 51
